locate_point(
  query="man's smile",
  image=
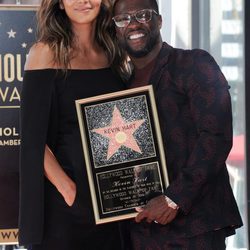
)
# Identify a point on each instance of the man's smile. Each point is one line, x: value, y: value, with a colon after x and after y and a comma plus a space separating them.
x: 135, y: 36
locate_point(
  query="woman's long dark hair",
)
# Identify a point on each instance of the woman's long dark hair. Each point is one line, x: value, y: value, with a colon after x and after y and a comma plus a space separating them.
x: 55, y: 30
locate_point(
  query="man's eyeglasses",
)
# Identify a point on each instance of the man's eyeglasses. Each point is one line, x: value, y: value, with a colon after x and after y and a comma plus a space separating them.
x: 141, y: 16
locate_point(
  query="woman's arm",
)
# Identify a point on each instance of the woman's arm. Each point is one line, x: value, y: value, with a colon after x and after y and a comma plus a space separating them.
x: 41, y: 57
x: 58, y: 177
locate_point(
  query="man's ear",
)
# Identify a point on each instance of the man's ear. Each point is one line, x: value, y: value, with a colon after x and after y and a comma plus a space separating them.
x: 159, y: 21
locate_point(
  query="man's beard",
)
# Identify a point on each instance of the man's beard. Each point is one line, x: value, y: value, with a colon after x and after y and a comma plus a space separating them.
x: 143, y: 51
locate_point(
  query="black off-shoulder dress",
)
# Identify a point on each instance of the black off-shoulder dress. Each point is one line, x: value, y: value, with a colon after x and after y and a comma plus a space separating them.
x: 48, y: 116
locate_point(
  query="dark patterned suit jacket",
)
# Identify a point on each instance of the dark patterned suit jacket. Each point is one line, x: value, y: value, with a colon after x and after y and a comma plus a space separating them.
x: 195, y: 115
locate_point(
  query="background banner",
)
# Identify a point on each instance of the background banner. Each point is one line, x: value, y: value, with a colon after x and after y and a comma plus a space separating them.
x: 17, y: 34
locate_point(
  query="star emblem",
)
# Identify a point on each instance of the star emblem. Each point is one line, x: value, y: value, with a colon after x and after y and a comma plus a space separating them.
x: 24, y: 45
x: 30, y: 30
x: 120, y: 133
x: 11, y: 33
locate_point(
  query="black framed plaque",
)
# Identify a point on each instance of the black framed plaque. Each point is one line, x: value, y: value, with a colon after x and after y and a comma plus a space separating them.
x: 123, y: 151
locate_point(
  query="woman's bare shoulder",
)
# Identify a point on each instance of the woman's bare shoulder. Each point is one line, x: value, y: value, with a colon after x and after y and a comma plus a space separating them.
x: 40, y: 57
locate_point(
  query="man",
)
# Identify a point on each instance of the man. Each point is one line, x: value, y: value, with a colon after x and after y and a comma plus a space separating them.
x: 198, y: 209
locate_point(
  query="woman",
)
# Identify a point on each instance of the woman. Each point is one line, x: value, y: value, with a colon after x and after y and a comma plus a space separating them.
x: 74, y: 58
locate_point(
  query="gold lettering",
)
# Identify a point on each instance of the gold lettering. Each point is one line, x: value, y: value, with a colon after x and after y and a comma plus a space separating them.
x: 8, y: 132
x: 1, y: 72
x: 9, y: 94
x: 9, y: 68
x: 19, y: 68
x: 15, y: 142
x: 4, y: 95
x: 15, y: 95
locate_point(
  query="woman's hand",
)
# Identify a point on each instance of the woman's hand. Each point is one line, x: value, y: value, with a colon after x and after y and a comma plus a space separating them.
x: 54, y: 172
x: 68, y: 191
